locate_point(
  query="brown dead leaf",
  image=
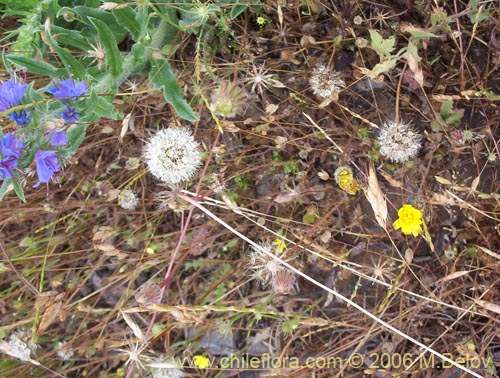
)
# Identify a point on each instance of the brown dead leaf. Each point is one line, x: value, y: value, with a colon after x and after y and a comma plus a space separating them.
x: 50, y: 304
x: 493, y: 307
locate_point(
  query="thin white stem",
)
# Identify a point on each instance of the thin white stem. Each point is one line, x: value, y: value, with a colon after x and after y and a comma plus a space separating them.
x: 320, y: 285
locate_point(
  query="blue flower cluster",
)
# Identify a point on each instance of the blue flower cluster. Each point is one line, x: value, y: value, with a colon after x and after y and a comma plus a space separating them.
x: 47, y: 156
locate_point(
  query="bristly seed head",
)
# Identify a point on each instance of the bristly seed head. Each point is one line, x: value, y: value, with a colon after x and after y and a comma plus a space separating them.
x: 325, y: 83
x: 228, y: 100
x: 398, y: 142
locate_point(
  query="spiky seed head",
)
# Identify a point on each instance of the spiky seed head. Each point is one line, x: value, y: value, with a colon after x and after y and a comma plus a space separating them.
x: 398, y: 142
x: 172, y: 155
x: 325, y: 83
x: 228, y: 100
x: 283, y: 282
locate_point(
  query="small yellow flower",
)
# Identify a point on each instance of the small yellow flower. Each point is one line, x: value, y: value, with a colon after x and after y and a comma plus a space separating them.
x: 346, y: 180
x: 409, y: 221
x: 280, y: 245
x: 201, y: 362
x: 261, y: 21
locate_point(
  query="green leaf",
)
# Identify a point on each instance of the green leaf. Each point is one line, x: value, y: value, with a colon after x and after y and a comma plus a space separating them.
x: 383, y: 47
x: 163, y: 78
x: 19, y: 190
x: 384, y: 66
x: 70, y: 38
x: 77, y: 69
x: 75, y: 139
x: 446, y: 108
x: 86, y: 13
x: 417, y: 33
x: 101, y: 106
x: 113, y: 57
x: 5, y: 187
x: 442, y: 180
x: 35, y: 66
x: 236, y: 10
x: 126, y: 18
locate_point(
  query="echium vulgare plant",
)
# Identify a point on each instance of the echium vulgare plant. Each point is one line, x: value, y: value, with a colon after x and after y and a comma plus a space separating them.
x: 40, y: 130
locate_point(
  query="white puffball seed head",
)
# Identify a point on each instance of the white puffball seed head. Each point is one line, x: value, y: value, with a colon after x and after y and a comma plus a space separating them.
x: 172, y: 155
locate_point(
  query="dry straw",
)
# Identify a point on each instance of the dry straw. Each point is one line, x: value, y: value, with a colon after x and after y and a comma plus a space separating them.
x: 376, y: 198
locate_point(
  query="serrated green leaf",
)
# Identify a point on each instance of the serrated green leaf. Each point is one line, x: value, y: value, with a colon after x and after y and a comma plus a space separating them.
x: 383, y: 47
x: 384, y: 66
x: 442, y: 180
x: 163, y: 78
x: 445, y: 109
x: 126, y: 17
x: 113, y: 57
x: 35, y: 66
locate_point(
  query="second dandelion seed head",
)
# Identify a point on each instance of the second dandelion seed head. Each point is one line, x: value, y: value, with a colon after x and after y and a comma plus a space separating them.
x: 398, y: 142
x: 325, y: 83
x: 172, y: 155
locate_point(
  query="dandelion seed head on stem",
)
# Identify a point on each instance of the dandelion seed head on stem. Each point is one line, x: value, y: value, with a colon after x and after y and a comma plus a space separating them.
x: 172, y: 155
x: 324, y: 82
x: 398, y: 142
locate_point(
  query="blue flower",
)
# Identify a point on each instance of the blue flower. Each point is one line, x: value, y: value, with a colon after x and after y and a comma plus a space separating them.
x: 7, y: 166
x: 68, y: 89
x: 21, y: 118
x: 57, y: 138
x: 70, y: 114
x: 10, y: 146
x: 11, y: 94
x: 47, y: 165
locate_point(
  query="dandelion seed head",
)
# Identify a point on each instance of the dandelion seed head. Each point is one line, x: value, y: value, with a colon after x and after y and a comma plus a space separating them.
x: 172, y: 155
x: 398, y: 142
x: 324, y: 82
x: 128, y: 200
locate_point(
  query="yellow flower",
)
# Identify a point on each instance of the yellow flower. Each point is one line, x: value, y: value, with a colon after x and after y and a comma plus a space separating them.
x: 280, y: 245
x: 201, y: 362
x: 409, y: 221
x: 261, y: 21
x: 346, y: 181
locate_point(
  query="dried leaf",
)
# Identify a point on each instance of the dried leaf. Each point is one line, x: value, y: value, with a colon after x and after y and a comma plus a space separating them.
x: 454, y: 275
x: 488, y: 252
x: 50, y: 303
x: 488, y: 305
x: 392, y: 182
x: 475, y: 183
x: 134, y: 327
x: 125, y: 125
x: 271, y: 109
x: 442, y: 199
x: 376, y: 198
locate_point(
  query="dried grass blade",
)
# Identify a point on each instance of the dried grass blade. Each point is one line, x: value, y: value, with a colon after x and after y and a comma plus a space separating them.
x: 376, y: 198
